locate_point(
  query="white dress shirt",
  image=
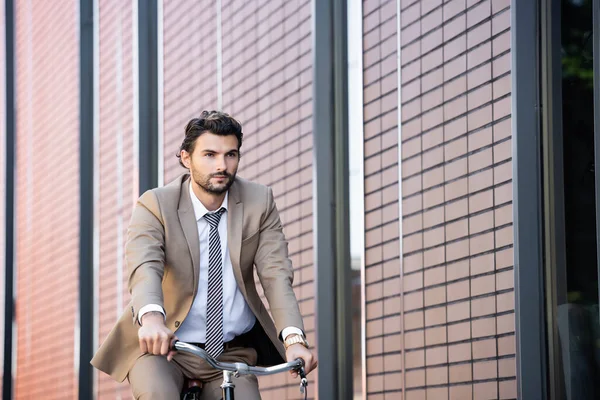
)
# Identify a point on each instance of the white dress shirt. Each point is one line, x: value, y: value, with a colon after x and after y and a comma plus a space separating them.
x: 237, y: 316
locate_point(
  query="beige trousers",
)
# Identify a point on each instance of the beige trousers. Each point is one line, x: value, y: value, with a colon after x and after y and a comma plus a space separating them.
x: 154, y: 378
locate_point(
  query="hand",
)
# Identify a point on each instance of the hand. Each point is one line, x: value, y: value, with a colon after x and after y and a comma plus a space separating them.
x: 154, y: 336
x: 296, y: 351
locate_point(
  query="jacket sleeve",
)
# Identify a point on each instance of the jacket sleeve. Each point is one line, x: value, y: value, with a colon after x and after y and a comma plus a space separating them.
x: 145, y: 254
x: 274, y: 269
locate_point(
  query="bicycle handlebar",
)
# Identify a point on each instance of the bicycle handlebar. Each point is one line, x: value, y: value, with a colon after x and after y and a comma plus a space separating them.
x: 245, y: 369
x: 240, y: 368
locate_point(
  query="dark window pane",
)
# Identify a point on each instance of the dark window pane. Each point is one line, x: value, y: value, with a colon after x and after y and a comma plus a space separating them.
x: 577, y: 316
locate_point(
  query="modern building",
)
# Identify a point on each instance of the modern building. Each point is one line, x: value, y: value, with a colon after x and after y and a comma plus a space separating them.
x: 433, y: 161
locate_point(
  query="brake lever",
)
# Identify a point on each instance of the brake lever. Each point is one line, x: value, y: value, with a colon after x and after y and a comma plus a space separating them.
x: 303, y: 380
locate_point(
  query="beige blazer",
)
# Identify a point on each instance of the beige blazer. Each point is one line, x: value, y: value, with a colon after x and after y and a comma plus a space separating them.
x: 163, y: 259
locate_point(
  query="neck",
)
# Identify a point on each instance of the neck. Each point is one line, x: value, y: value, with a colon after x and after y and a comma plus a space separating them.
x: 211, y: 201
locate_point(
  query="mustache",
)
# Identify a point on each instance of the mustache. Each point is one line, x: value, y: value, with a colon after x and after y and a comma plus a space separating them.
x: 221, y: 174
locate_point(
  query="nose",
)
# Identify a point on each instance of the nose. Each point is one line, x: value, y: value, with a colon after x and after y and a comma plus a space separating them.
x: 221, y: 165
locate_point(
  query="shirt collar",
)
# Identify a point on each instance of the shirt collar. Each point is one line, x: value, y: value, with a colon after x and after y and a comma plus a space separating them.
x: 199, y: 209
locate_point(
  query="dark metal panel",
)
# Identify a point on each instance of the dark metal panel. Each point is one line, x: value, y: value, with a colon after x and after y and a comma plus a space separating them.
x: 324, y: 196
x: 553, y: 185
x: 86, y: 187
x: 527, y: 193
x: 596, y: 6
x: 342, y: 211
x: 331, y: 214
x: 148, y: 94
x: 9, y: 301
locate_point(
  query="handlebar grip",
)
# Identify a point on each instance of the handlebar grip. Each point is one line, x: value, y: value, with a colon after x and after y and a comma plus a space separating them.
x: 301, y: 369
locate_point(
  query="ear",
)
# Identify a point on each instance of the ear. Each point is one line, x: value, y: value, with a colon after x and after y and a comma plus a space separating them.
x: 186, y: 159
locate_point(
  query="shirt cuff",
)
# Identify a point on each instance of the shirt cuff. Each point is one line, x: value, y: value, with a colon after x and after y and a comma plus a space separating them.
x: 290, y: 330
x: 148, y: 308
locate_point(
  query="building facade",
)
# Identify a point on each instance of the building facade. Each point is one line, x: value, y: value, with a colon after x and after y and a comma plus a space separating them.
x: 433, y: 162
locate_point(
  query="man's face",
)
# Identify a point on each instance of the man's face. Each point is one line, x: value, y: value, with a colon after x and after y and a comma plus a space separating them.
x: 214, y: 162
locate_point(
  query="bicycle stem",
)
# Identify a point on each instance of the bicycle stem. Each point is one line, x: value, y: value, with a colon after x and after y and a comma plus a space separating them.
x: 228, y: 386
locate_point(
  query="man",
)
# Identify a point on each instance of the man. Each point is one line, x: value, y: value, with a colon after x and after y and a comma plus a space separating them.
x: 190, y: 251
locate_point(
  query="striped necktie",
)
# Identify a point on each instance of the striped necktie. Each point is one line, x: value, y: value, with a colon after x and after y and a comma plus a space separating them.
x: 214, y: 306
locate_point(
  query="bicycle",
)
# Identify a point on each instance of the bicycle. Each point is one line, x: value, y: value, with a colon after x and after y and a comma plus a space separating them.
x: 236, y: 369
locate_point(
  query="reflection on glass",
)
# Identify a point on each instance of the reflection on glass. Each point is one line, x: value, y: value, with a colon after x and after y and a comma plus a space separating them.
x: 356, y: 248
x: 356, y: 160
x: 578, y: 325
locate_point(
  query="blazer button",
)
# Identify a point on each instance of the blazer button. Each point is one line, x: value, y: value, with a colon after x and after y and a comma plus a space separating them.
x: 177, y: 323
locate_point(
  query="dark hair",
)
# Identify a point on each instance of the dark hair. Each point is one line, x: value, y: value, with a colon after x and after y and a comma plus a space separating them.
x: 215, y: 122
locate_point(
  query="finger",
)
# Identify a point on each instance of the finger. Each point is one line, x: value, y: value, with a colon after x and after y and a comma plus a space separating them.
x: 172, y: 343
x: 313, y: 365
x: 156, y: 343
x: 149, y: 345
x: 308, y: 366
x: 170, y: 355
x: 143, y: 346
x: 164, y: 346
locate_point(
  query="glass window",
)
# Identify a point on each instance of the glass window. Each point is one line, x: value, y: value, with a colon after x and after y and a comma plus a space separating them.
x: 575, y: 357
x: 357, y: 195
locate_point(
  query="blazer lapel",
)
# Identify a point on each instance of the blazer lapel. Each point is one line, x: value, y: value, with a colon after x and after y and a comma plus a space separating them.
x: 187, y: 218
x: 235, y: 219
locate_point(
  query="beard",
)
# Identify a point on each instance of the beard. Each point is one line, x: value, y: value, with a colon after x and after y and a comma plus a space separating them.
x: 204, y: 181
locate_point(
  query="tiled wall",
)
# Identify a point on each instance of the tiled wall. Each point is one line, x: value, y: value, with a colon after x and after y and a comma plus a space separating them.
x: 47, y: 198
x: 267, y: 76
x: 382, y: 245
x: 457, y: 305
x: 439, y: 269
x: 190, y: 65
x: 266, y: 84
x: 118, y: 174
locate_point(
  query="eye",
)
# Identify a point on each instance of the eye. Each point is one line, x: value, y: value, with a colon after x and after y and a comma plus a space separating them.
x: 232, y: 155
x: 209, y: 155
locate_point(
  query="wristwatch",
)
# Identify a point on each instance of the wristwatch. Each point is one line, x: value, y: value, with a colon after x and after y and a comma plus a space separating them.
x: 295, y: 339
